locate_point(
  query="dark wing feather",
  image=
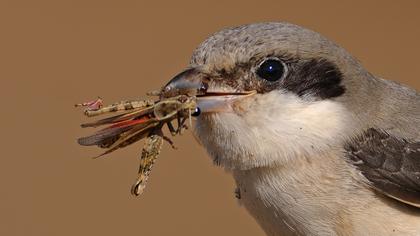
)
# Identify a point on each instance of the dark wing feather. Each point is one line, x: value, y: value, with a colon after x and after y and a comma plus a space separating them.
x: 392, y: 165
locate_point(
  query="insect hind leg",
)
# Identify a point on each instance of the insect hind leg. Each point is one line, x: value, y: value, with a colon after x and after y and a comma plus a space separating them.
x: 120, y: 106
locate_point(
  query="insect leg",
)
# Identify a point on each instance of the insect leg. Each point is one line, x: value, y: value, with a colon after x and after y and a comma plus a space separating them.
x: 91, y: 105
x: 181, y: 124
x: 120, y: 106
x: 172, y: 129
x: 189, y: 117
x: 167, y: 139
x: 148, y: 157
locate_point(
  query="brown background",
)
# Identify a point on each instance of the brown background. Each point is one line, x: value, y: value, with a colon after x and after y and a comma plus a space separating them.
x: 56, y: 53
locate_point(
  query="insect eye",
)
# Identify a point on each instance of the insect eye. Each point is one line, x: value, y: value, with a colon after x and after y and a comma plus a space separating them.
x: 271, y: 70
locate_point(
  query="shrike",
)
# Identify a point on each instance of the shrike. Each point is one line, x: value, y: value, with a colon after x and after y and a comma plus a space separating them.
x: 316, y: 144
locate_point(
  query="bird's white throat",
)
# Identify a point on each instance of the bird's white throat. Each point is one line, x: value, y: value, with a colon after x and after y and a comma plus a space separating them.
x: 271, y: 129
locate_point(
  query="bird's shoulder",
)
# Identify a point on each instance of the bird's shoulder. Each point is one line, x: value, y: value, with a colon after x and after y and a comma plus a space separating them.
x: 391, y: 164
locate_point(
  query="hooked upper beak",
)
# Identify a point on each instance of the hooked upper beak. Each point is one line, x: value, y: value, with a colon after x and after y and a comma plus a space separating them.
x: 211, y: 96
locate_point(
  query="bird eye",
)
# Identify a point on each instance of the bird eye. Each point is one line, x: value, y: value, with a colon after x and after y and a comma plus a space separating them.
x: 271, y: 70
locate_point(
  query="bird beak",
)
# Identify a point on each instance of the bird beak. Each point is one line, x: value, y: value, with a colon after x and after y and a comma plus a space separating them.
x: 211, y: 95
x: 221, y: 101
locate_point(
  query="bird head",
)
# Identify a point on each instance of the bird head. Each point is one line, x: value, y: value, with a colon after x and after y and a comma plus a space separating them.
x: 269, y: 93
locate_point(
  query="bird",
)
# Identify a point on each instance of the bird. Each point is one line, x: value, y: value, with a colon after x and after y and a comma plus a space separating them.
x: 316, y: 144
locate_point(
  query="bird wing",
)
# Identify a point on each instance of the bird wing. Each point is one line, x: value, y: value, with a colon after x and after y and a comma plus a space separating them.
x: 391, y: 164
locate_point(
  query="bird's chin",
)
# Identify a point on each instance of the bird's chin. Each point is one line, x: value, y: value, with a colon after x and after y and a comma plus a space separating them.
x: 221, y: 128
x: 216, y: 132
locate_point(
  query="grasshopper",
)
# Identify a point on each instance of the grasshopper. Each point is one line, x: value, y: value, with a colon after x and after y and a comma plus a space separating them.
x: 137, y: 120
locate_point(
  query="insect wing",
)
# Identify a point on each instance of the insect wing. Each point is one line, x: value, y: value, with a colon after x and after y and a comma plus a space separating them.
x: 111, y: 133
x: 127, y: 137
x: 101, y: 136
x: 120, y: 117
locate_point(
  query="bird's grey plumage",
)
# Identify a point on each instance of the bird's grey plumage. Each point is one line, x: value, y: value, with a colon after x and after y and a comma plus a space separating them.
x: 319, y: 151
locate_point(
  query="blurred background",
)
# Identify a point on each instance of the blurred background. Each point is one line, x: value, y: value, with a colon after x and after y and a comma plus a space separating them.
x: 57, y: 53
